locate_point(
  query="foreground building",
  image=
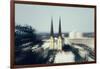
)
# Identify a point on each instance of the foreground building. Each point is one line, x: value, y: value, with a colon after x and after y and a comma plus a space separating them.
x: 53, y: 44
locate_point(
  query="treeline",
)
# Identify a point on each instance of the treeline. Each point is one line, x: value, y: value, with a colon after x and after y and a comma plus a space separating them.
x: 25, y: 39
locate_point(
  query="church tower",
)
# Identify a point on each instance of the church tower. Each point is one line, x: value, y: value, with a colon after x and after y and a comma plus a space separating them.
x: 60, y: 39
x: 51, y: 36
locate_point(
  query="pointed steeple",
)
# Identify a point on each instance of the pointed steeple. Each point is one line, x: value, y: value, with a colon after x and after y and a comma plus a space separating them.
x: 60, y: 41
x: 51, y: 35
x: 52, y: 32
x: 60, y: 33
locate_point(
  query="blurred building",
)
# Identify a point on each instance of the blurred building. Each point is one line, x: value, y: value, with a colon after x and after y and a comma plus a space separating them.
x: 74, y: 34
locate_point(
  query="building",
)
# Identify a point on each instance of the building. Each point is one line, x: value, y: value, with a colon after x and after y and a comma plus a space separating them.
x: 51, y: 36
x: 59, y: 43
x: 75, y: 35
x: 60, y: 39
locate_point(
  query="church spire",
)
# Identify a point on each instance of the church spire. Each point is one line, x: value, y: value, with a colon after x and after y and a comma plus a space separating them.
x: 51, y: 32
x: 60, y: 41
x: 60, y: 33
x: 51, y: 35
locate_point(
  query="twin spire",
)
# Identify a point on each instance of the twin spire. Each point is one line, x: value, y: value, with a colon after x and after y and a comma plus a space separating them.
x: 57, y: 45
x: 52, y: 32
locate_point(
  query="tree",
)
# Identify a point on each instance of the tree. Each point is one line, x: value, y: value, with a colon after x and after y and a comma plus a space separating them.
x: 25, y: 39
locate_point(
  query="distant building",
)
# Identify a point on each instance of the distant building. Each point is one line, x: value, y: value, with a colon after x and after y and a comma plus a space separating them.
x: 79, y: 35
x: 74, y: 34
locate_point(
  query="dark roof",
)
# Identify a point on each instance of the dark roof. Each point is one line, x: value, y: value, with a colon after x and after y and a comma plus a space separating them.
x: 51, y: 32
x: 60, y: 33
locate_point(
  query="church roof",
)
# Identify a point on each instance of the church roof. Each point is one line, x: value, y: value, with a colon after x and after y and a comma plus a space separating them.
x: 51, y: 32
x: 60, y: 33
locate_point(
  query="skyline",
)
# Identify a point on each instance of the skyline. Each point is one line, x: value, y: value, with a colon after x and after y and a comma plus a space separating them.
x: 81, y: 20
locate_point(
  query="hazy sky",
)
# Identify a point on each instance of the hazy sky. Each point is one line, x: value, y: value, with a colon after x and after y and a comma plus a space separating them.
x: 39, y: 17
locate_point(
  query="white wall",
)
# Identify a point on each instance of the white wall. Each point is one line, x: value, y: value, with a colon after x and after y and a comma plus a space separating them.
x: 5, y: 34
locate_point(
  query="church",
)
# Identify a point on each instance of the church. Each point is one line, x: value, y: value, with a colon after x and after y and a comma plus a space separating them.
x: 56, y: 44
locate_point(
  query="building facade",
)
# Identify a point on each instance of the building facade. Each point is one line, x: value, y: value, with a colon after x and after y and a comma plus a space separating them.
x: 53, y: 44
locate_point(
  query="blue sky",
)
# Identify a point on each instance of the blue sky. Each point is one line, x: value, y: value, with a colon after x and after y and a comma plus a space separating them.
x: 39, y: 17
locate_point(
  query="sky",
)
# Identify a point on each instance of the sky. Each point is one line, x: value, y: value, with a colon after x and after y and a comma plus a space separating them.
x: 39, y: 17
